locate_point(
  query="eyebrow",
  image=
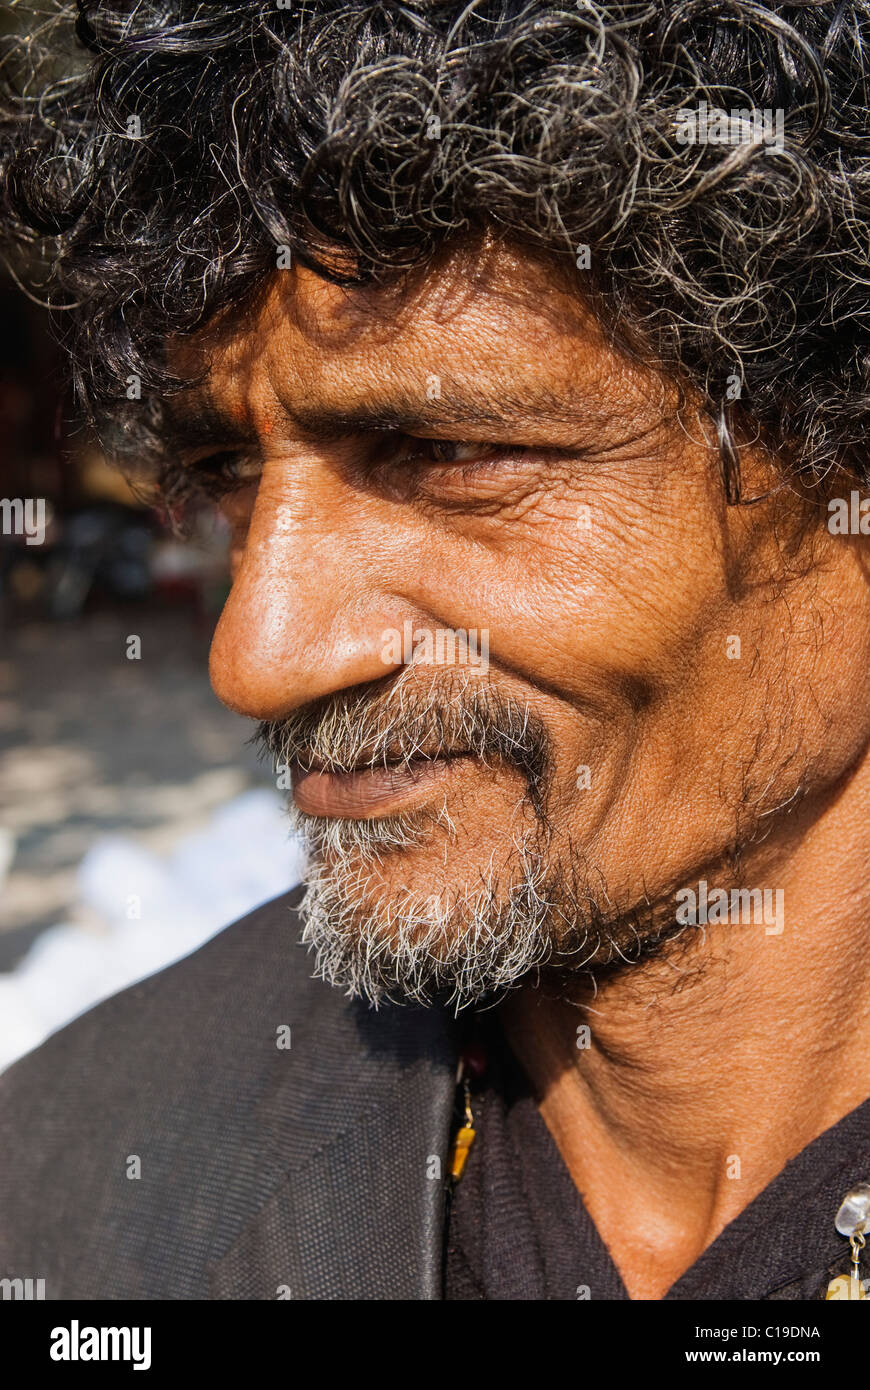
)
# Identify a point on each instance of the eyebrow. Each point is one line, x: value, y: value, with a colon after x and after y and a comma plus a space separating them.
x: 452, y: 405
x: 200, y: 421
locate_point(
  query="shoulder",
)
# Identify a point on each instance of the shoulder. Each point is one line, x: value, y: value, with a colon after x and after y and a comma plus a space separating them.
x: 138, y: 1140
x: 222, y: 994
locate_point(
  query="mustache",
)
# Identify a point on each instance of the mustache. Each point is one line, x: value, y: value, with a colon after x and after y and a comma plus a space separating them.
x: 373, y: 727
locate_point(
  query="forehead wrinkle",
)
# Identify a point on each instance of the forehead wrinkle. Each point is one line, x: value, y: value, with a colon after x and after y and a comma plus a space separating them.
x: 572, y: 383
x: 336, y: 362
x: 483, y: 272
x: 368, y: 406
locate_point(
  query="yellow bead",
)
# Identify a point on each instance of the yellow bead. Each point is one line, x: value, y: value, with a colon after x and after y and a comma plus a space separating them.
x: 461, y: 1146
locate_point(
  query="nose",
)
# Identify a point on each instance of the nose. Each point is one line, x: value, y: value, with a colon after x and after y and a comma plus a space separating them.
x: 308, y: 610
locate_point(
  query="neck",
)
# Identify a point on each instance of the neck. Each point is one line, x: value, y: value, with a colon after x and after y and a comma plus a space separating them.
x: 707, y: 1070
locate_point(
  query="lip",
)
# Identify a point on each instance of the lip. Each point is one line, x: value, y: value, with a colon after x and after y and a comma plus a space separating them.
x: 376, y: 791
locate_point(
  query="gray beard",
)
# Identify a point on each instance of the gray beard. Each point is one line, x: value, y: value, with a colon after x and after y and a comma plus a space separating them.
x: 425, y: 949
x: 461, y: 947
x: 545, y: 915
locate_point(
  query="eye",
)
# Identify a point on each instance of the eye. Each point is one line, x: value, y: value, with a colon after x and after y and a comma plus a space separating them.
x: 448, y: 473
x: 447, y: 451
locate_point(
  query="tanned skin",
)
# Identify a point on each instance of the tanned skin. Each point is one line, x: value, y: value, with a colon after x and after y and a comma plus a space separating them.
x: 738, y: 1043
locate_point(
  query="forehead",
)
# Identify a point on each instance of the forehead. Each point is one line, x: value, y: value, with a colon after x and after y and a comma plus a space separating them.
x: 495, y: 328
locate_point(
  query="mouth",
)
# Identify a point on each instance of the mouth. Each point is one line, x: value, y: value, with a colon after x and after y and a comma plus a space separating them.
x: 371, y: 791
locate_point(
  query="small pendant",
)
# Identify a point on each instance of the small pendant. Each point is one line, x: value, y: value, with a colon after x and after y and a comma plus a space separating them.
x: 853, y: 1220
x: 461, y: 1148
x: 465, y: 1135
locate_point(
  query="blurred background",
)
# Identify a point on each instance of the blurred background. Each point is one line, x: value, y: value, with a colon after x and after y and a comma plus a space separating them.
x: 135, y: 819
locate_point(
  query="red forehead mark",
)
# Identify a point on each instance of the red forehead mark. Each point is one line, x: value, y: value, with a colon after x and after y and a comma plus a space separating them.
x: 239, y: 413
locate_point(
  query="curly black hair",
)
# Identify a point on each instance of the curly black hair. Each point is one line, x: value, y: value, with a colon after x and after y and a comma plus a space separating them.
x: 146, y: 189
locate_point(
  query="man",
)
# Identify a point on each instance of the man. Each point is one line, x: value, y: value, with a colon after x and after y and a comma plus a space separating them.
x: 538, y: 412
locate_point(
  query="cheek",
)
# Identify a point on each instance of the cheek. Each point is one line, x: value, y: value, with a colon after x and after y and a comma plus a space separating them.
x: 588, y: 595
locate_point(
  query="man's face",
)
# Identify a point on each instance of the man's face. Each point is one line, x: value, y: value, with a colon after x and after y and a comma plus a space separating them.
x: 530, y: 671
